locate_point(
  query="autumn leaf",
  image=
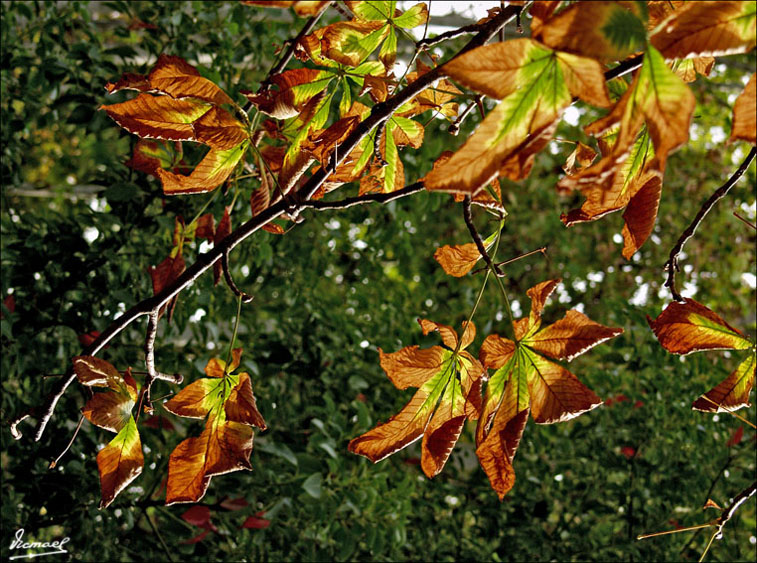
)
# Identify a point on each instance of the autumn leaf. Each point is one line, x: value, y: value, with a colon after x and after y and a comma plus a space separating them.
x: 688, y: 326
x: 158, y: 117
x: 121, y: 461
x: 699, y: 29
x: 448, y: 380
x: 227, y: 404
x: 650, y: 120
x: 210, y: 173
x: 177, y: 78
x: 609, y: 31
x: 535, y: 84
x: 149, y: 155
x: 745, y: 114
x: 219, y: 130
x: 524, y: 381
x: 301, y: 7
x: 457, y: 260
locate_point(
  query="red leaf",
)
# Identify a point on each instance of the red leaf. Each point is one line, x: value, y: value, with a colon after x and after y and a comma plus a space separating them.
x: 197, y: 538
x: 234, y: 504
x: 256, y: 523
x: 736, y: 437
x: 628, y: 451
x: 199, y: 515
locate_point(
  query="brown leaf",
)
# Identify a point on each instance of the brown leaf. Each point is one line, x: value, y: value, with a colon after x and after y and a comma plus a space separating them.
x: 733, y: 392
x: 219, y: 129
x: 119, y: 463
x: 640, y: 216
x: 570, y: 337
x: 210, y: 173
x: 556, y: 394
x: 686, y: 327
x: 459, y: 259
x: 158, y: 117
x: 699, y: 29
x: 241, y: 405
x: 745, y: 114
x: 174, y: 76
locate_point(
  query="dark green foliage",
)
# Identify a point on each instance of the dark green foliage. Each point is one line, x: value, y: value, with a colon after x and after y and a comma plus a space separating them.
x: 327, y: 295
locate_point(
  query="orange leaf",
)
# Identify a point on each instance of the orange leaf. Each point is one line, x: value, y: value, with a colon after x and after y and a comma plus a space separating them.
x: 301, y: 7
x: 556, y: 394
x: 219, y: 130
x: 120, y: 462
x: 241, y: 405
x: 745, y: 114
x: 683, y: 328
x: 457, y: 260
x: 496, y: 452
x: 174, y: 76
x: 640, y: 216
x: 707, y: 29
x: 411, y: 366
x: 223, y: 447
x: 733, y: 392
x: 158, y: 117
x: 570, y: 337
x: 210, y: 173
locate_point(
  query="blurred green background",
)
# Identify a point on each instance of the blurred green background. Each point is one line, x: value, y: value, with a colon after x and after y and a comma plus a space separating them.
x: 80, y: 229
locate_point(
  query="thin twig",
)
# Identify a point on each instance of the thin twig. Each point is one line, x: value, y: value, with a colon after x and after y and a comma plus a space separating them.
x: 477, y: 238
x: 451, y: 34
x: 744, y: 220
x: 454, y: 129
x: 54, y: 462
x: 245, y: 297
x: 157, y: 533
x: 368, y: 198
x: 543, y: 250
x: 671, y: 266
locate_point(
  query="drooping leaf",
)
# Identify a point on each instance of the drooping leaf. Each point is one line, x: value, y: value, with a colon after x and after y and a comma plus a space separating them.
x: 301, y: 7
x: 745, y: 114
x: 605, y: 30
x: 535, y: 85
x: 689, y: 326
x: 448, y: 383
x: 733, y: 392
x: 226, y: 442
x: 120, y: 462
x: 149, y: 155
x: 640, y: 215
x: 524, y: 381
x: 699, y: 29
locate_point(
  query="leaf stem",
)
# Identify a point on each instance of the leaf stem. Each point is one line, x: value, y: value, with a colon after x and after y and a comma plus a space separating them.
x: 233, y: 335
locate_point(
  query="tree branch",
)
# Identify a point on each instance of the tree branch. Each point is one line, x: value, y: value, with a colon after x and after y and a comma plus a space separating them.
x: 671, y: 266
x: 369, y: 198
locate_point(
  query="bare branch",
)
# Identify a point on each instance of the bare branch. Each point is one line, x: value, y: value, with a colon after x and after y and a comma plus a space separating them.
x: 454, y: 129
x: 671, y: 266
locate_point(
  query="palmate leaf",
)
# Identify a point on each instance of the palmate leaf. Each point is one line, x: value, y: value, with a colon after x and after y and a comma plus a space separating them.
x: 158, y: 117
x: 652, y: 118
x: 448, y: 381
x: 524, y: 381
x: 227, y: 403
x: 689, y: 326
x: 459, y: 259
x: 210, y: 173
x: 121, y: 461
x: 535, y: 84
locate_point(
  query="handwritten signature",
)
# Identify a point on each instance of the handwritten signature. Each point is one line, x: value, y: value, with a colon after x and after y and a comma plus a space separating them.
x: 19, y: 543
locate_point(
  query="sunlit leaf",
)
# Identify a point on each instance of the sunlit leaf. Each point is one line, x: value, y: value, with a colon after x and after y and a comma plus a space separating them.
x: 210, y: 173
x: 745, y: 114
x: 174, y: 76
x: 699, y: 29
x: 120, y: 462
x: 301, y: 7
x: 606, y: 30
x: 532, y: 81
x: 219, y: 129
x: 459, y: 259
x: 447, y: 384
x: 640, y: 216
x: 733, y: 392
x: 158, y: 117
x: 688, y: 326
